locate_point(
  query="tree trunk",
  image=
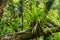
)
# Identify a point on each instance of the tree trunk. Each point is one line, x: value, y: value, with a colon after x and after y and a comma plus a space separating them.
x: 2, y: 6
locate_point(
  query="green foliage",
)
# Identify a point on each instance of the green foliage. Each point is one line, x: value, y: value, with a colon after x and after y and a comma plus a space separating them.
x: 12, y: 20
x: 55, y: 36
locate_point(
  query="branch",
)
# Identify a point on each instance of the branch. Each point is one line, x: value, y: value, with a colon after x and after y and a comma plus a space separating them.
x: 27, y: 35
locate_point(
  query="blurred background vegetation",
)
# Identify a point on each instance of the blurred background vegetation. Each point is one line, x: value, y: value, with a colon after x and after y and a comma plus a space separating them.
x: 18, y: 14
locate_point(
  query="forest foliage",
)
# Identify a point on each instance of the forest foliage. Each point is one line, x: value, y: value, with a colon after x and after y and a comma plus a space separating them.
x: 20, y: 14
